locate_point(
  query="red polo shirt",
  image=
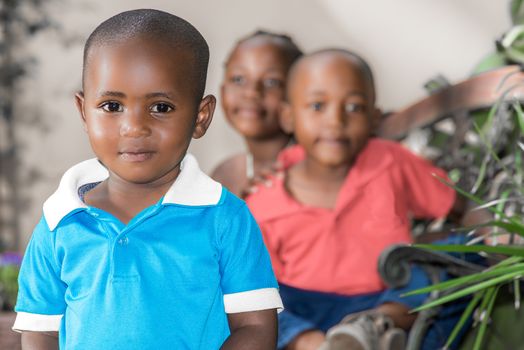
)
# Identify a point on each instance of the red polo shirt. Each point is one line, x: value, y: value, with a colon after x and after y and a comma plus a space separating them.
x: 336, y: 250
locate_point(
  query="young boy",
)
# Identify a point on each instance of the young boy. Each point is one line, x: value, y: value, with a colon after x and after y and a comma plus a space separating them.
x: 138, y: 249
x: 252, y: 94
x: 327, y: 221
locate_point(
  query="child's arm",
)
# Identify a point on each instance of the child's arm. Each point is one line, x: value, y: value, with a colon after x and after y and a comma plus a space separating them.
x: 252, y: 330
x: 41, y: 303
x: 39, y: 340
x: 250, y: 290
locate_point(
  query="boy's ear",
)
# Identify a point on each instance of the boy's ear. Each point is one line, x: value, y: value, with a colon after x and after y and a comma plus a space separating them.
x: 79, y: 101
x: 286, y: 118
x: 205, y: 115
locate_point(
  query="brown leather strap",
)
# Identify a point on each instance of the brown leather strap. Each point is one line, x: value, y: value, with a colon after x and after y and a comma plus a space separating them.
x: 478, y: 92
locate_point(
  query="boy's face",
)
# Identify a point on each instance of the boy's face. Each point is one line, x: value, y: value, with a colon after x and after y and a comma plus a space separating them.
x: 331, y: 108
x: 139, y: 109
x: 254, y: 87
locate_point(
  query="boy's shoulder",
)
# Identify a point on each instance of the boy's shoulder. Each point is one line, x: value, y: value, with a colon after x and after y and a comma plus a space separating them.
x: 383, y: 147
x: 382, y: 153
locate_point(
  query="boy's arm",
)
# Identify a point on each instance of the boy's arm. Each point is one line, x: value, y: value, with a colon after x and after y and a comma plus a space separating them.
x: 255, y: 330
x: 40, y: 303
x: 39, y: 340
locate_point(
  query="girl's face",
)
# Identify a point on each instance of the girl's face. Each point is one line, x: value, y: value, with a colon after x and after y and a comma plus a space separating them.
x: 253, y: 88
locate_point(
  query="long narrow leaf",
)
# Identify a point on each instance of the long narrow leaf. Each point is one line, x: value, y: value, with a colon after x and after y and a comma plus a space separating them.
x: 485, y: 141
x: 469, y: 279
x: 480, y: 201
x: 464, y: 318
x: 491, y: 295
x: 469, y: 290
x: 520, y: 115
x: 507, y: 226
x: 481, y: 175
x: 458, y: 248
x: 495, y: 202
x: 509, y: 261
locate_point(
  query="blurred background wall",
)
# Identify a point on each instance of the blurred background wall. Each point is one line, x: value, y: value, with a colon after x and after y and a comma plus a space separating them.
x: 406, y: 42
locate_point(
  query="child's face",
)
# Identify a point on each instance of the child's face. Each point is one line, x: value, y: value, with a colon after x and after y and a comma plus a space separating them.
x: 139, y: 111
x: 254, y: 87
x: 331, y: 109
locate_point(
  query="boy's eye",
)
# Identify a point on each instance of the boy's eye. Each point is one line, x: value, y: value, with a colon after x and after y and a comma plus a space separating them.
x: 355, y: 108
x: 316, y: 106
x: 112, y: 107
x: 273, y: 83
x: 237, y: 80
x: 161, y: 108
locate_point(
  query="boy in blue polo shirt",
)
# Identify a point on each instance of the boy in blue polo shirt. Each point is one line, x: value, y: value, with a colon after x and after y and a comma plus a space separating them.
x: 139, y: 249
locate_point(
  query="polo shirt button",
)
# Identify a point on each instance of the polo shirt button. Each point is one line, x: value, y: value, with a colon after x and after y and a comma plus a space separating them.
x: 123, y: 241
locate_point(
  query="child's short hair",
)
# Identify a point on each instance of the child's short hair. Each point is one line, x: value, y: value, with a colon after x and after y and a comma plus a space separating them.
x: 155, y: 25
x: 290, y: 49
x: 359, y: 61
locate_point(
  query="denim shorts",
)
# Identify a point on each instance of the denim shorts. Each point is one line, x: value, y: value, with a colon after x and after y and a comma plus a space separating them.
x: 308, y: 310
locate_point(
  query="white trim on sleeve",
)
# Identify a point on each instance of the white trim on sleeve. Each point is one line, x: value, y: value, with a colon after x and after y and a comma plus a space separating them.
x: 253, y: 300
x: 26, y: 321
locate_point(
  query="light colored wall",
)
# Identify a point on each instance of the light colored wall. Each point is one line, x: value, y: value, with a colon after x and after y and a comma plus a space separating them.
x: 406, y: 42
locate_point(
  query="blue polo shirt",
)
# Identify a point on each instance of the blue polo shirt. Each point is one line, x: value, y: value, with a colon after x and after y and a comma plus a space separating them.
x: 166, y: 280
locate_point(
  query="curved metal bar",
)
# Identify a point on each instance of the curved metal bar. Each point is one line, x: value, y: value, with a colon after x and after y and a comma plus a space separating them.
x: 395, y: 270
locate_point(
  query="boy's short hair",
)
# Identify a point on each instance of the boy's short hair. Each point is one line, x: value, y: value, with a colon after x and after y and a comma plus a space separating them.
x: 155, y: 25
x: 289, y: 48
x: 359, y: 61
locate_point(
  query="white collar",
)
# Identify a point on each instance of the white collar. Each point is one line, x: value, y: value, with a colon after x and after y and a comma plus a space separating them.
x: 192, y: 187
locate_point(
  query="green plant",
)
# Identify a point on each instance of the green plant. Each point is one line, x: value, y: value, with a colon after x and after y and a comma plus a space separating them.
x: 498, y: 187
x: 9, y: 267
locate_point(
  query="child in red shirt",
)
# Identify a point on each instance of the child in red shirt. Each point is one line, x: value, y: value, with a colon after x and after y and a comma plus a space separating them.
x: 252, y: 94
x: 326, y: 222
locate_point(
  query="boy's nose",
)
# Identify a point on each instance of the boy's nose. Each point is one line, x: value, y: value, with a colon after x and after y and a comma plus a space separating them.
x: 253, y: 88
x: 337, y: 116
x: 135, y: 124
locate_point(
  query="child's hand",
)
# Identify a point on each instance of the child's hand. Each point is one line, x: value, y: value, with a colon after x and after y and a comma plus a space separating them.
x: 264, y: 177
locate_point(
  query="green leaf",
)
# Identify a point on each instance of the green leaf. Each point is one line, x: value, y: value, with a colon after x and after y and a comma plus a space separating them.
x: 520, y: 115
x: 463, y: 281
x: 464, y: 318
x: 507, y: 226
x: 481, y: 175
x: 472, y: 197
x: 509, y: 261
x: 469, y: 290
x: 489, y: 299
x: 459, y: 248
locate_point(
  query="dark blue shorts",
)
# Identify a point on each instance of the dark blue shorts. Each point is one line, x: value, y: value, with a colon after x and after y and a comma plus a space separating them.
x: 307, y: 310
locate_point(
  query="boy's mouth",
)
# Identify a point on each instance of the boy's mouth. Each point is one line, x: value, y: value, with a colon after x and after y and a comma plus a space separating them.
x: 334, y: 141
x: 250, y: 112
x: 136, y: 156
